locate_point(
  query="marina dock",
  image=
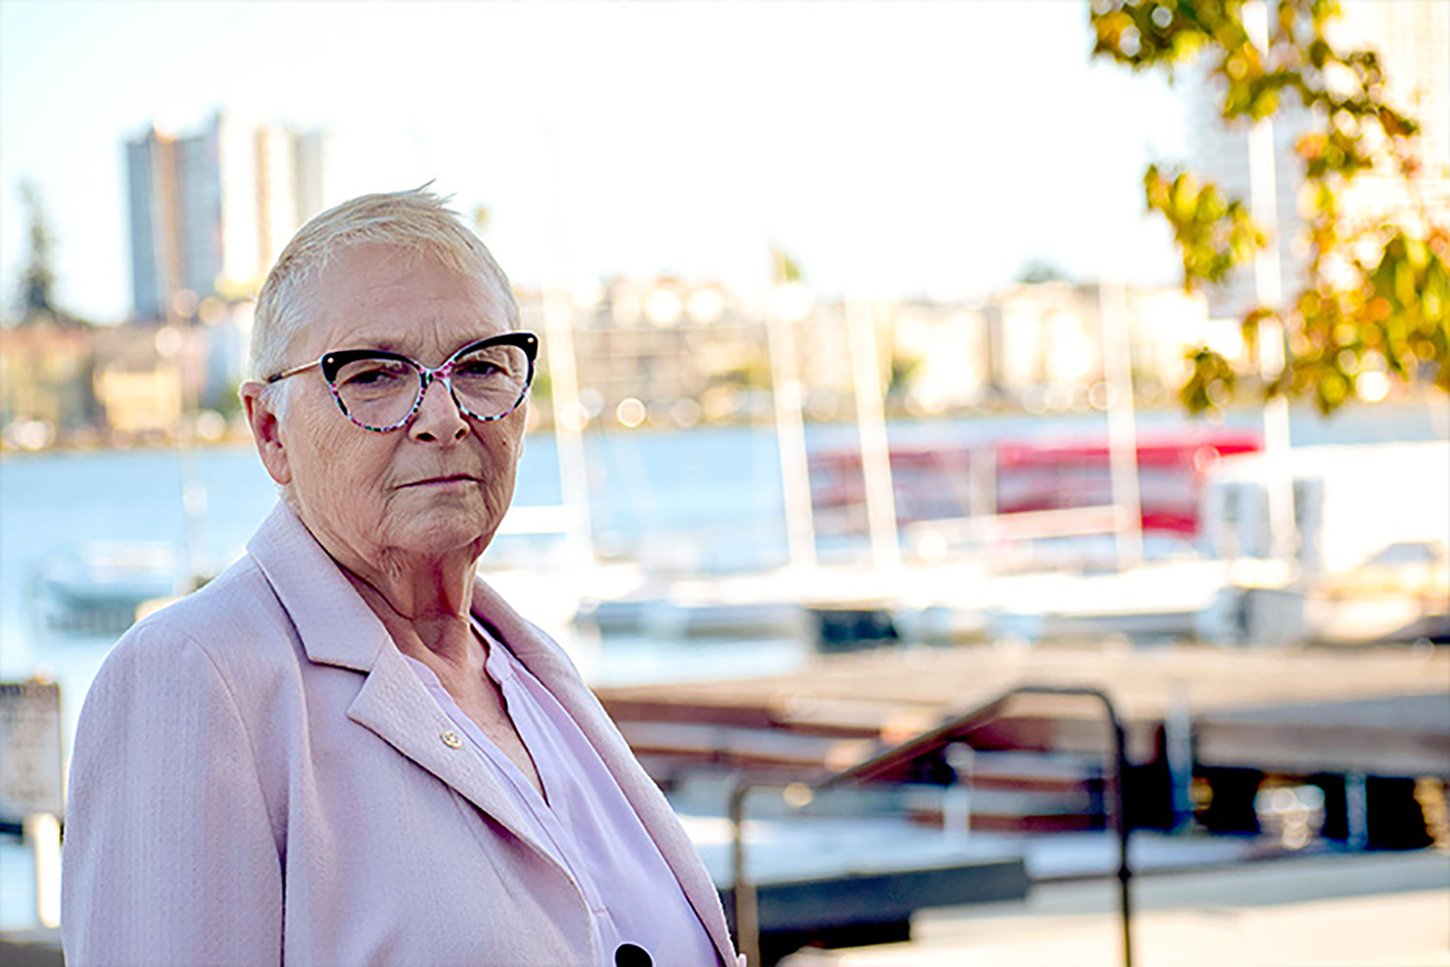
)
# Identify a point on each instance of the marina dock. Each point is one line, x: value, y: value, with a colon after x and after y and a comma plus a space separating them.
x: 1341, y: 749
x: 1232, y: 717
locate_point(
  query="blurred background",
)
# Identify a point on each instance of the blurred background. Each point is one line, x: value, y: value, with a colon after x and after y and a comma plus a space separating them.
x: 876, y: 430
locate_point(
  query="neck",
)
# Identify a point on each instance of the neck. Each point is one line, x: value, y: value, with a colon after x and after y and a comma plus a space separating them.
x: 424, y: 604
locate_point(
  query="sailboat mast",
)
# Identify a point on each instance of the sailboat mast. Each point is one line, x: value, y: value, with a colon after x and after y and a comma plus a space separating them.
x: 1122, y: 423
x: 871, y: 424
x: 786, y: 392
x: 569, y: 414
x: 568, y: 426
x: 1268, y: 288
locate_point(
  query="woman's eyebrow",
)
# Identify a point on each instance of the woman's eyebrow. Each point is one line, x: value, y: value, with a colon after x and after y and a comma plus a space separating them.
x: 384, y: 343
x: 387, y: 345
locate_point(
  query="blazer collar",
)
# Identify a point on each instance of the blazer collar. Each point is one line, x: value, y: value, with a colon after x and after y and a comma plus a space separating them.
x: 334, y: 624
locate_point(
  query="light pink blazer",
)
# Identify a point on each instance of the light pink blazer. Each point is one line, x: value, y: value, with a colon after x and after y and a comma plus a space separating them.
x: 259, y: 778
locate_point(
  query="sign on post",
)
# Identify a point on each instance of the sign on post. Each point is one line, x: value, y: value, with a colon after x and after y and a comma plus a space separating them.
x: 31, y: 778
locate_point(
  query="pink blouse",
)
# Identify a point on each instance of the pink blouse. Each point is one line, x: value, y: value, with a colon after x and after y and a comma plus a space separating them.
x: 593, y: 832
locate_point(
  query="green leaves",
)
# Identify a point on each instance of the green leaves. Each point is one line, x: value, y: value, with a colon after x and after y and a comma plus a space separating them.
x: 1211, y: 381
x: 1214, y: 234
x: 1152, y: 33
x: 1374, y: 305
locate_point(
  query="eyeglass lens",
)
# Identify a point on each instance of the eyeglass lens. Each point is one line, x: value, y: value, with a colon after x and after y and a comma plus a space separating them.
x: 379, y: 392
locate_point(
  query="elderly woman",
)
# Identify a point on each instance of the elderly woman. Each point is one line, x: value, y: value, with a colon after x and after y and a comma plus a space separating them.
x: 347, y: 749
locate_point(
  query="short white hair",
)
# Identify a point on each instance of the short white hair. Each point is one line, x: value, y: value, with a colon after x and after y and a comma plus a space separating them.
x: 417, y: 221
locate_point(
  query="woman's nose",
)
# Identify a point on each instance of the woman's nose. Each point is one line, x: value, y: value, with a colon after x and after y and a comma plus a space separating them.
x: 438, y: 416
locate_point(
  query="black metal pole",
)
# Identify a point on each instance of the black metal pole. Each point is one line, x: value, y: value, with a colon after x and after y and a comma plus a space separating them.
x: 742, y: 889
x: 1120, y: 813
x: 1120, y: 822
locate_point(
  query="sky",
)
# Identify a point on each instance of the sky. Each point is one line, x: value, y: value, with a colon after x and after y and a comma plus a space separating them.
x: 895, y: 150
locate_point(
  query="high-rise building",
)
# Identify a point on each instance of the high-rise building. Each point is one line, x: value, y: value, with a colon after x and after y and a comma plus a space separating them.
x: 155, y: 245
x: 1413, y: 40
x: 1411, y: 37
x: 1220, y: 154
x: 211, y: 210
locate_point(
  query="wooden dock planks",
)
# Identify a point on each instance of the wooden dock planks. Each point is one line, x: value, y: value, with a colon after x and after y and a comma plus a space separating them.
x: 1326, y: 700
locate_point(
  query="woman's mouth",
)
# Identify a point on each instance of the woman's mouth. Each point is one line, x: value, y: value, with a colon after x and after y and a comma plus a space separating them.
x: 447, y: 481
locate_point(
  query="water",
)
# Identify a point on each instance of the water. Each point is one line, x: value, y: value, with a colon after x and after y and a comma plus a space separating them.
x: 705, y: 499
x: 708, y: 498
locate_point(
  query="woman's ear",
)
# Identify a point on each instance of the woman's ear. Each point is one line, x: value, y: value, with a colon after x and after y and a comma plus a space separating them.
x: 266, y: 426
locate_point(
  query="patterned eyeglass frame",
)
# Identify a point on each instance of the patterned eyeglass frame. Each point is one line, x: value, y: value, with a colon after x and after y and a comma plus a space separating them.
x: 329, y: 363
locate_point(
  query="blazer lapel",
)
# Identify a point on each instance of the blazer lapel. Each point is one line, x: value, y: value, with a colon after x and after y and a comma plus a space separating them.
x: 546, y: 661
x: 336, y: 627
x: 394, y: 704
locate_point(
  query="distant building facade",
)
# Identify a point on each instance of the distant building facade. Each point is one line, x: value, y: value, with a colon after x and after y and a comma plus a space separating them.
x: 686, y: 351
x: 138, y: 376
x: 211, y: 210
x: 662, y: 351
x: 1048, y: 344
x: 1413, y: 38
x: 46, y: 369
x: 672, y: 352
x: 941, y: 355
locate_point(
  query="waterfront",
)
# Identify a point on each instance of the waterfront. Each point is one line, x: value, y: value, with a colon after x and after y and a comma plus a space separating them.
x: 705, y: 499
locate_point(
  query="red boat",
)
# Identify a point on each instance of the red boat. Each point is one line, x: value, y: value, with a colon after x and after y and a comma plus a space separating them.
x: 949, y: 481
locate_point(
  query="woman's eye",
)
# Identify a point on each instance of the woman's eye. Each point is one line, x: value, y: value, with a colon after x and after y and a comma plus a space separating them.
x: 371, y: 375
x: 477, y: 368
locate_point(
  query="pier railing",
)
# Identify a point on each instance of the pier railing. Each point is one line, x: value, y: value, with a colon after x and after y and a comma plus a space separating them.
x: 894, y: 759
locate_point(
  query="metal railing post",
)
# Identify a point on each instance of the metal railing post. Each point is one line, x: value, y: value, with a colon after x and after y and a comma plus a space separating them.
x: 1120, y: 814
x: 742, y: 889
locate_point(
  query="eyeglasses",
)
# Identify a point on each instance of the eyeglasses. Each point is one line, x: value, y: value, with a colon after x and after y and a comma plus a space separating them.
x: 381, y: 391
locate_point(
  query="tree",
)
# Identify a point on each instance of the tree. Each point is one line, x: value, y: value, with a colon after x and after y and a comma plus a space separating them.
x: 37, y: 279
x: 1376, y: 292
x: 784, y: 268
x: 1038, y: 270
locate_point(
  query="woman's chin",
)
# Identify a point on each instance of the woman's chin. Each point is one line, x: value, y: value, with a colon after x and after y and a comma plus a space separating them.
x: 441, y: 534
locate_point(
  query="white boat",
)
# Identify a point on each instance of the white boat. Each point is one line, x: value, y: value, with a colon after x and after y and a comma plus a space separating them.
x: 1371, y: 548
x: 101, y: 588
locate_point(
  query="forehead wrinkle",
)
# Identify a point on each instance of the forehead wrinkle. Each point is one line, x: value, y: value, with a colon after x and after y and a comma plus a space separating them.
x: 360, y: 315
x: 427, y: 330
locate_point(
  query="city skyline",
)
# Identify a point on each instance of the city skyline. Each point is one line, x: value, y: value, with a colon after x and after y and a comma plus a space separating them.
x: 901, y: 151
x: 210, y: 210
